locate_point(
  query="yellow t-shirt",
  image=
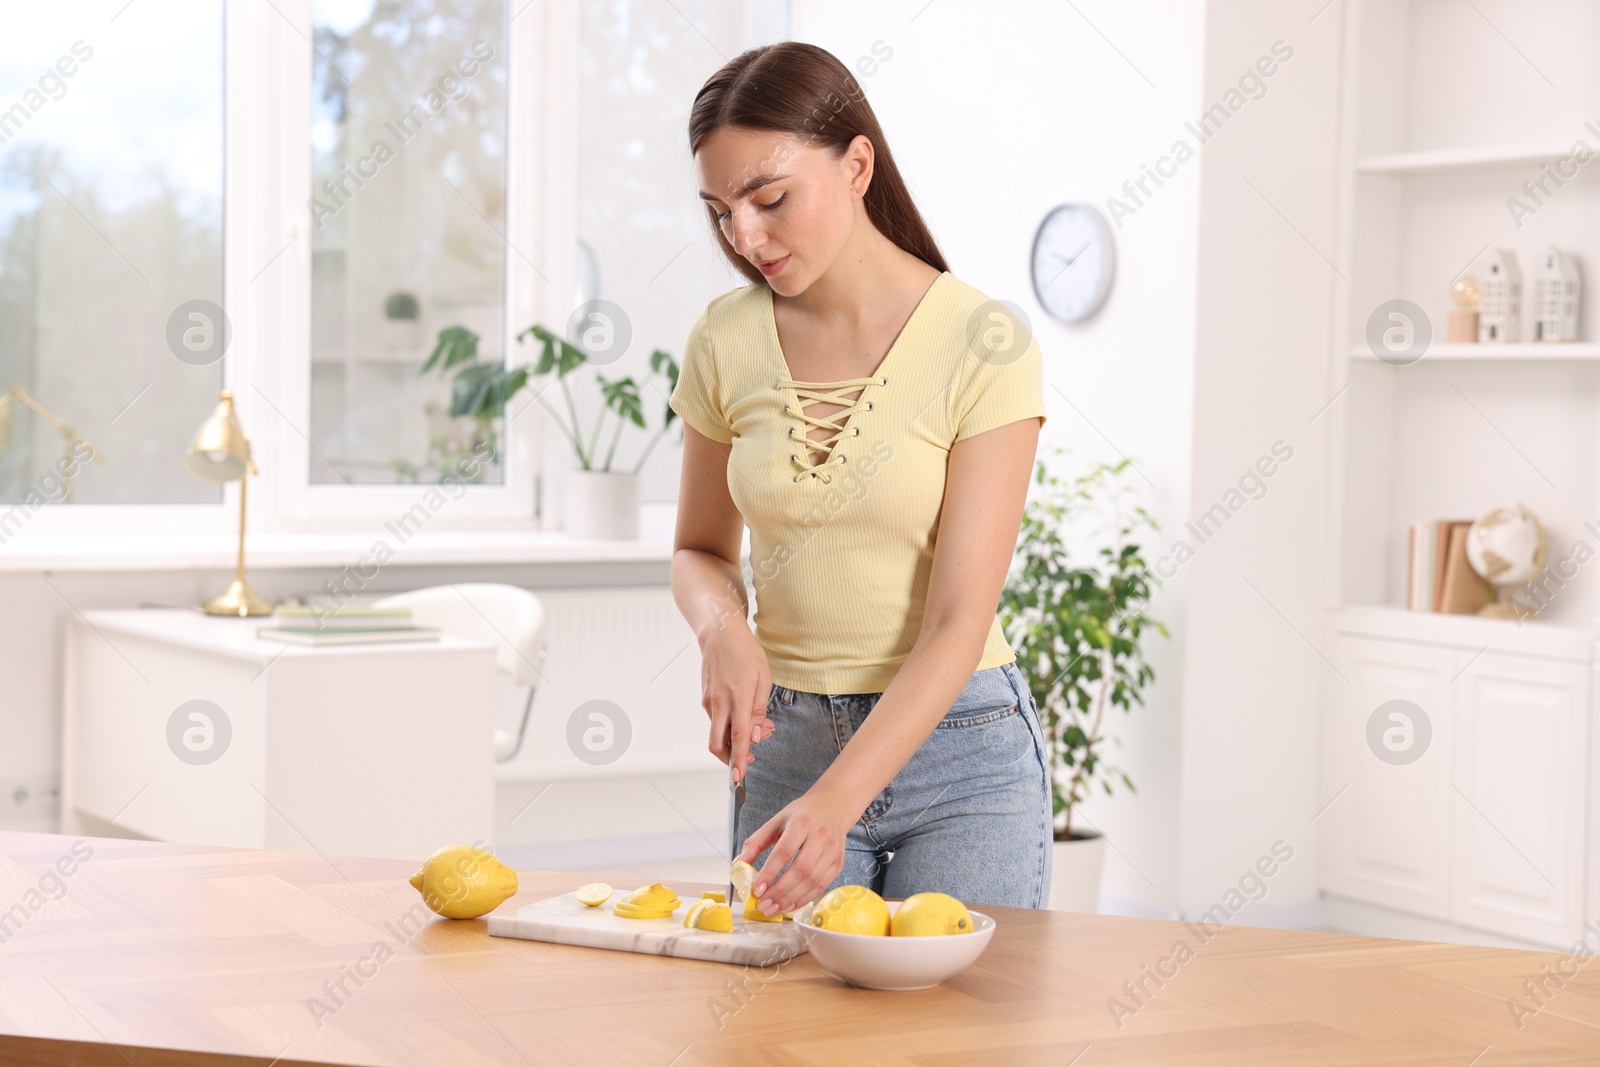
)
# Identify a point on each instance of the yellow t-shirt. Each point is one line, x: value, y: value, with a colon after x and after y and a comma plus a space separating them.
x: 842, y: 534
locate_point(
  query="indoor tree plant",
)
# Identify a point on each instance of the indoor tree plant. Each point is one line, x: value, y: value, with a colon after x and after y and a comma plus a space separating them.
x: 601, y: 502
x: 1077, y: 618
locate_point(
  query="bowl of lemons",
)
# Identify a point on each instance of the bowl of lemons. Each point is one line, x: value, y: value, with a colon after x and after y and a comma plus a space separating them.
x: 916, y: 943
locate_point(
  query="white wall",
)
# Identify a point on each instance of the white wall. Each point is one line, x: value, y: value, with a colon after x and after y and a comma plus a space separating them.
x: 996, y: 113
x: 1264, y: 315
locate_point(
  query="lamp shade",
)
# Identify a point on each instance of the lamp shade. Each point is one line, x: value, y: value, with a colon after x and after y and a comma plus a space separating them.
x: 220, y: 451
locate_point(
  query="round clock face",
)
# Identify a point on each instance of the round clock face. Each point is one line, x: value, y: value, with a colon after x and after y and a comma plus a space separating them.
x: 1074, y: 258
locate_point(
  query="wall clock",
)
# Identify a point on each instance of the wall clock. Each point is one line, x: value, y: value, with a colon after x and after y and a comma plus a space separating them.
x: 1074, y: 259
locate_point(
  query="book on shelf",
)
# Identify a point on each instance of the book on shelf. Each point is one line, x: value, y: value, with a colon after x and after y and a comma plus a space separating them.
x: 321, y: 620
x: 1438, y: 576
x: 348, y: 637
x: 1420, y: 554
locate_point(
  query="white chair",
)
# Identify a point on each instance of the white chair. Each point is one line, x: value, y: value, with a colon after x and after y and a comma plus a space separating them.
x: 509, y: 618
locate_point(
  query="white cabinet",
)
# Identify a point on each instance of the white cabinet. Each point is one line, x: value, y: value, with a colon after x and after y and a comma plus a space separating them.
x: 1517, y: 792
x: 180, y: 726
x: 1486, y: 824
x: 1386, y: 839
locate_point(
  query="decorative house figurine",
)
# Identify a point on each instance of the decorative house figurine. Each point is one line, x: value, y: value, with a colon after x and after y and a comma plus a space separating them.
x: 1462, y: 325
x: 1500, y: 315
x: 1555, y: 297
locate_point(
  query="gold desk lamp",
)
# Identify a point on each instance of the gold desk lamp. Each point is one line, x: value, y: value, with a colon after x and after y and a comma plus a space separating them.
x: 221, y: 454
x: 69, y: 436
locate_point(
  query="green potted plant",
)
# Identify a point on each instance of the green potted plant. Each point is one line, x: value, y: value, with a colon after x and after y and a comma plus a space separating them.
x: 600, y: 502
x: 1077, y: 618
x: 479, y: 391
x: 401, y: 329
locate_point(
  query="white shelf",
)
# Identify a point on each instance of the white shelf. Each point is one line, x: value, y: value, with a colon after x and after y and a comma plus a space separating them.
x: 1530, y: 351
x: 1460, y: 159
x: 1532, y: 638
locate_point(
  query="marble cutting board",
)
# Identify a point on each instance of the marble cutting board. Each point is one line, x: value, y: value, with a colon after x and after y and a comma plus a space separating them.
x: 566, y: 922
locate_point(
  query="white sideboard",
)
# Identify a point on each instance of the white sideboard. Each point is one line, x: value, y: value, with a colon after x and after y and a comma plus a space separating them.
x: 1486, y: 826
x: 369, y: 750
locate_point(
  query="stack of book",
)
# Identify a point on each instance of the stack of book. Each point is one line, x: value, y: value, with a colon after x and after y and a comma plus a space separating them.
x: 346, y: 626
x: 1438, y: 576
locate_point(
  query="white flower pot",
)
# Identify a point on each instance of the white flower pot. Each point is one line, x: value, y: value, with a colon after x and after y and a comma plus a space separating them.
x: 602, y: 504
x: 402, y: 335
x: 1075, y: 873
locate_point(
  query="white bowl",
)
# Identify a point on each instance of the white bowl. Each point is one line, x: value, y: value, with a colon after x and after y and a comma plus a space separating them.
x: 895, y: 962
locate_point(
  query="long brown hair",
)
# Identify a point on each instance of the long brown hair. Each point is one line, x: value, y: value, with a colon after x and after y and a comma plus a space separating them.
x: 798, y: 88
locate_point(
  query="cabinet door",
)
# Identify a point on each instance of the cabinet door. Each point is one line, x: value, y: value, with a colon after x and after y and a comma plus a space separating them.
x: 1517, y: 796
x: 1385, y: 841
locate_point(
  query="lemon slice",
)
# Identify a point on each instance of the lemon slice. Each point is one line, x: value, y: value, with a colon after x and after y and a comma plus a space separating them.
x: 715, y: 894
x: 634, y: 911
x: 743, y: 876
x: 594, y: 894
x: 693, y: 916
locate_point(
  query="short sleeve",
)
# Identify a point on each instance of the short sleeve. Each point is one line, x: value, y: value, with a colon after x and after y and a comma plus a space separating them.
x: 696, y: 396
x: 1000, y: 391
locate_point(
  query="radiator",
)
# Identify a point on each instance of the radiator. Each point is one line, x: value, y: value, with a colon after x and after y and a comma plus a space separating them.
x: 620, y: 695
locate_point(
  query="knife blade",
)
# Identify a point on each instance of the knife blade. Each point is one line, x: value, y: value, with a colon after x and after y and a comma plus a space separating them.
x: 735, y: 803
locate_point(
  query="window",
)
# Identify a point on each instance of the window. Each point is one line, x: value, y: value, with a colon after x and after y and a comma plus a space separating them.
x: 408, y: 138
x: 111, y: 201
x: 346, y: 178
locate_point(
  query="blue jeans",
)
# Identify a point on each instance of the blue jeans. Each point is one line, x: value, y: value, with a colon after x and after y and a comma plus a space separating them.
x: 968, y: 815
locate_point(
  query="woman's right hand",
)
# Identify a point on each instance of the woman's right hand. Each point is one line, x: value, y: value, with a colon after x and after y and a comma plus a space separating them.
x: 735, y: 685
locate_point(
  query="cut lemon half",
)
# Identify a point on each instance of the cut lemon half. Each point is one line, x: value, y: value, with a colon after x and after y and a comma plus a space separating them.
x: 594, y: 894
x: 694, y: 911
x: 715, y: 894
x: 743, y: 877
x: 653, y: 895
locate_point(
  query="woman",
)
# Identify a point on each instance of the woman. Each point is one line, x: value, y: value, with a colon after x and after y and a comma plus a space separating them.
x: 873, y: 420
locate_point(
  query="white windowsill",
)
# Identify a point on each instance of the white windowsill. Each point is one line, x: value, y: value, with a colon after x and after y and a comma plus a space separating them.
x: 271, y: 551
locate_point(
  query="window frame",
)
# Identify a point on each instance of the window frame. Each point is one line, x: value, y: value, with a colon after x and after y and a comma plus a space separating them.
x: 276, y: 97
x: 267, y: 288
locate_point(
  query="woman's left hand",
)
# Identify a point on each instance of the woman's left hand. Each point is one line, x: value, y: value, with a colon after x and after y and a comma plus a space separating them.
x: 814, y: 835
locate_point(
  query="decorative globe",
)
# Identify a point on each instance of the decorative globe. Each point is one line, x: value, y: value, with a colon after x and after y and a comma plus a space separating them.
x: 1507, y: 546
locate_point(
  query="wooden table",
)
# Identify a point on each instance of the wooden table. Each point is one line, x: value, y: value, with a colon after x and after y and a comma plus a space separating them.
x: 239, y: 956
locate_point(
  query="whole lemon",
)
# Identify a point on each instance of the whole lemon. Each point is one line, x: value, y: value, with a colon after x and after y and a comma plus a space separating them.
x: 464, y: 882
x: 852, y: 909
x: 927, y: 914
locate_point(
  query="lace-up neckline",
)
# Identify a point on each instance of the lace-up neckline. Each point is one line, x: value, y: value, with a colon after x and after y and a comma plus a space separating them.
x: 841, y: 421
x: 831, y: 393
